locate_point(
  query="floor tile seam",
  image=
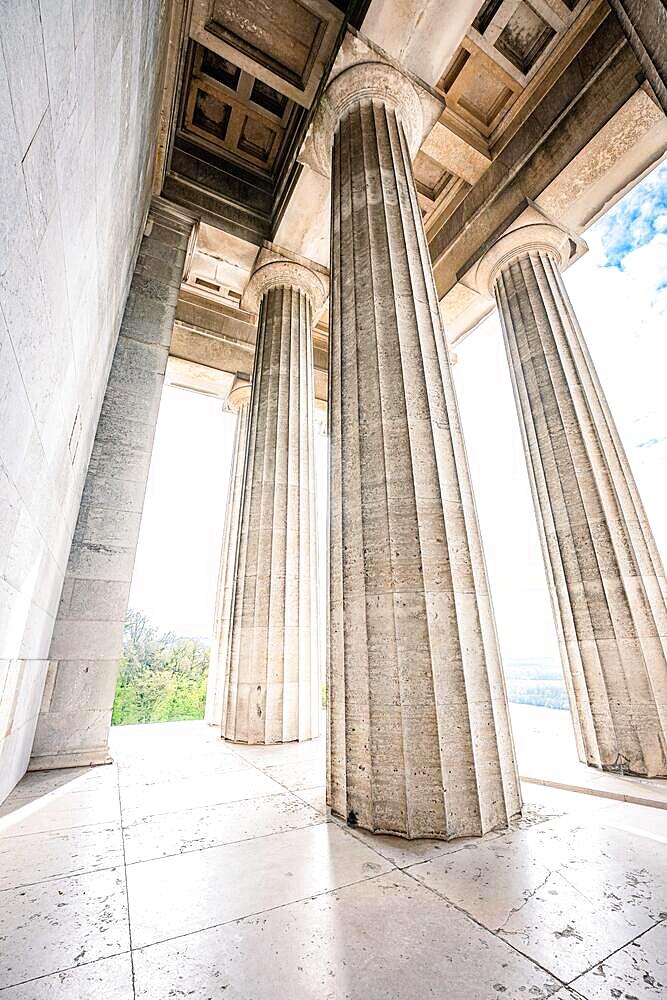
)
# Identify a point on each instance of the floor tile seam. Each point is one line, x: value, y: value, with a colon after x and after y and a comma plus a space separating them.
x: 68, y: 968
x: 21, y: 800
x: 61, y: 875
x: 492, y: 835
x: 572, y: 982
x: 503, y: 940
x: 132, y: 762
x: 347, y: 829
x: 410, y: 864
x: 439, y: 857
x: 127, y: 894
x: 228, y: 843
x: 142, y: 819
x: 181, y: 777
x: 282, y: 785
x: 300, y: 794
x: 60, y: 878
x: 284, y: 764
x: 260, y: 913
x: 46, y: 833
x: 295, y: 764
x: 60, y: 829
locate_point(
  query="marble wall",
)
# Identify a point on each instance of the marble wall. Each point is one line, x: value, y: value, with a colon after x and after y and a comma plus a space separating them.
x: 78, y: 89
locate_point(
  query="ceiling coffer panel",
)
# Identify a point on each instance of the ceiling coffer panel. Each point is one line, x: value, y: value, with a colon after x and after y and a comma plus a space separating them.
x: 284, y: 45
x: 233, y: 114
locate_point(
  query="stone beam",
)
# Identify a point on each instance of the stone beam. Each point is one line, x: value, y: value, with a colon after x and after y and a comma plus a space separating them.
x: 645, y: 25
x: 577, y: 153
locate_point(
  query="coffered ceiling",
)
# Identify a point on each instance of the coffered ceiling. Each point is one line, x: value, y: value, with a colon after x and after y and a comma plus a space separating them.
x: 511, y: 53
x: 250, y: 76
x: 543, y: 109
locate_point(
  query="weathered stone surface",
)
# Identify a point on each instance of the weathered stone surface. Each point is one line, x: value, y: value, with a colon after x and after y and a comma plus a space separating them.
x: 605, y: 575
x: 645, y: 25
x: 87, y: 640
x: 272, y: 671
x: 77, y: 120
x: 239, y: 401
x: 419, y: 740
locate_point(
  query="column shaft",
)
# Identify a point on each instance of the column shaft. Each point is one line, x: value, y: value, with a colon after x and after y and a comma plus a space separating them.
x: 419, y: 734
x: 73, y: 725
x: 606, y: 579
x: 272, y: 684
x: 217, y: 688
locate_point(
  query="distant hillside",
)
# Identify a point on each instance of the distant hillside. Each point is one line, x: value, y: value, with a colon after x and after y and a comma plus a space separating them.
x: 536, y: 681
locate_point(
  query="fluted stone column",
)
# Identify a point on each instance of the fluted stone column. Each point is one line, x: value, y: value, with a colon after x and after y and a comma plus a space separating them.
x: 239, y: 403
x: 272, y: 675
x: 606, y: 579
x: 419, y: 735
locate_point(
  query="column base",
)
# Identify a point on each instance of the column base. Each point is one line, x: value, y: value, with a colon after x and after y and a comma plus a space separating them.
x: 81, y: 758
x: 267, y: 743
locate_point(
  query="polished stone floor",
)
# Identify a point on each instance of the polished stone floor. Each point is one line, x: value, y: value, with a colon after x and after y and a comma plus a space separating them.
x: 191, y: 868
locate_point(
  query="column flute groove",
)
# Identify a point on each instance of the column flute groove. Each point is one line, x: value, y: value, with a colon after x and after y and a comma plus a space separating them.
x: 217, y: 692
x: 273, y: 655
x: 419, y: 739
x: 604, y: 572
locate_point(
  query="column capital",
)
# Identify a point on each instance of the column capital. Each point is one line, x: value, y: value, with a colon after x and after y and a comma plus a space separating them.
x: 275, y: 267
x: 535, y: 237
x: 239, y: 394
x: 366, y: 81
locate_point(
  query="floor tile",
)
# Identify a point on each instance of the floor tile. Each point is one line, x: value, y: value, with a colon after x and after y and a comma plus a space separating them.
x: 106, y: 979
x: 315, y: 797
x: 635, y: 819
x: 60, y: 809
x: 71, y: 779
x: 178, y: 895
x: 151, y: 770
x: 404, y: 853
x: 303, y: 774
x: 334, y: 947
x: 544, y: 889
x: 639, y: 971
x: 261, y: 898
x: 140, y: 801
x: 211, y: 826
x: 541, y: 802
x: 61, y: 923
x: 35, y: 857
x: 279, y: 754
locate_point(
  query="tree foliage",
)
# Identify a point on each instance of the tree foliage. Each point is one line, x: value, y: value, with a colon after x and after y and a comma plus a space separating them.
x: 161, y: 677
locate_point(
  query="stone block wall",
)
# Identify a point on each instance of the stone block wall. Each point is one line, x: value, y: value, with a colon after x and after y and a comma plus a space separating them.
x: 75, y: 717
x: 78, y: 89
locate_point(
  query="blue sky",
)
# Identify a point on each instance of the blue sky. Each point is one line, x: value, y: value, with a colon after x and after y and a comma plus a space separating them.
x: 619, y: 292
x: 636, y: 219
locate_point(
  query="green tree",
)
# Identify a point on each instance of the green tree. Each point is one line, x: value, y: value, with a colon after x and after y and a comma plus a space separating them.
x: 161, y: 677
